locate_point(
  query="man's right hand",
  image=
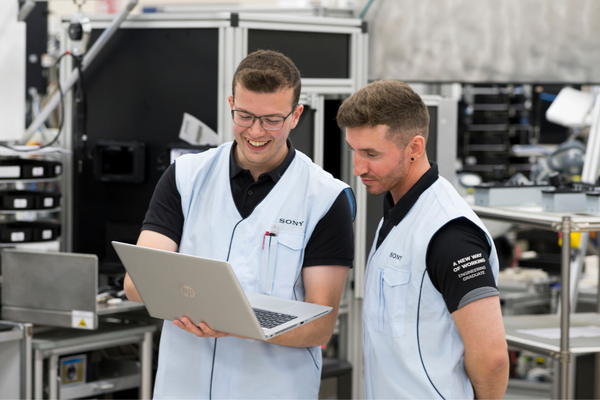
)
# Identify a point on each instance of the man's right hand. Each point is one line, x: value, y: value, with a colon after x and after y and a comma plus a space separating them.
x: 153, y: 240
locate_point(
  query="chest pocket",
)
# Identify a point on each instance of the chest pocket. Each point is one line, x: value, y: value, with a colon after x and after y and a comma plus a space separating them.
x: 281, y: 264
x: 393, y: 289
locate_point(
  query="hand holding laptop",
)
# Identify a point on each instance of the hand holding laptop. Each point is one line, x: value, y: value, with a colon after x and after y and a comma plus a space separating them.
x: 201, y: 330
x: 194, y: 290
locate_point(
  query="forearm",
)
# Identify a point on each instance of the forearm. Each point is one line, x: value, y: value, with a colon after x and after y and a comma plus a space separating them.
x: 315, y: 333
x: 130, y: 290
x: 488, y: 374
x: 323, y: 285
x: 486, y: 354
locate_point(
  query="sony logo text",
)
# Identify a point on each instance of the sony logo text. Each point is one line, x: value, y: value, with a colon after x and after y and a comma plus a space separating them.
x: 290, y: 222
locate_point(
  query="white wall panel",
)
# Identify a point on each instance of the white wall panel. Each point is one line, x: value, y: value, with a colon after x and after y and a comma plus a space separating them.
x: 484, y: 40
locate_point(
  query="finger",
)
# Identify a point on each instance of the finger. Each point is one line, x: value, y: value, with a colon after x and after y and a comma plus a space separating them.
x: 188, y: 326
x: 205, y: 329
x: 211, y: 332
x: 178, y: 324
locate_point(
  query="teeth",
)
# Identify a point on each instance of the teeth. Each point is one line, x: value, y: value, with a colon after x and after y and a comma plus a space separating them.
x: 256, y: 144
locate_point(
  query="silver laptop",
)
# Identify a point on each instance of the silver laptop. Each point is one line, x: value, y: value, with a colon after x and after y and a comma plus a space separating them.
x: 174, y: 285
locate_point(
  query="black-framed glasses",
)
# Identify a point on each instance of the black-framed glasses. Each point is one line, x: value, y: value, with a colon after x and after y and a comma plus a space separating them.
x: 268, y: 122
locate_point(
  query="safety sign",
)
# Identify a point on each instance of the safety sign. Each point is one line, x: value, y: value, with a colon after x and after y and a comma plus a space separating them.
x: 82, y: 319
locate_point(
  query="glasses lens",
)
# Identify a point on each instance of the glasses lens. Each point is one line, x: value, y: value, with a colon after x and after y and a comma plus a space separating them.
x: 272, y: 123
x: 242, y: 118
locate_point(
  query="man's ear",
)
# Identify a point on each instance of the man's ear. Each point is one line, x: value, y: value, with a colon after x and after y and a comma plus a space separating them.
x: 416, y: 147
x: 230, y: 99
x: 296, y: 115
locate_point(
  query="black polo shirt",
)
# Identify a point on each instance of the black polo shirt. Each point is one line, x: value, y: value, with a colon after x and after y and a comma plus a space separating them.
x: 331, y: 243
x: 456, y: 241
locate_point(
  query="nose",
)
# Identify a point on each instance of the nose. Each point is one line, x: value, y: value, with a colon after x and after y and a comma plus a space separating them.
x: 256, y: 130
x: 360, y: 167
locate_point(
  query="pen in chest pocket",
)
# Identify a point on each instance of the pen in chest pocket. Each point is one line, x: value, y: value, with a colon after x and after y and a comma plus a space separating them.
x: 268, y: 260
x: 269, y: 235
x: 272, y: 233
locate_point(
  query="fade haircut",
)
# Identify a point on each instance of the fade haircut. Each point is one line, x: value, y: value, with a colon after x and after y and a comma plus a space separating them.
x: 267, y: 71
x: 387, y: 102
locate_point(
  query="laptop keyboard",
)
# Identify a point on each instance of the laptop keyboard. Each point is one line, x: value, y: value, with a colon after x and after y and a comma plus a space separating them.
x: 270, y: 319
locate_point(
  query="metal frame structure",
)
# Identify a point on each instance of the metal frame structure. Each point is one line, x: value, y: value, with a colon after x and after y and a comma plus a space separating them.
x: 560, y: 222
x: 74, y: 76
x: 447, y: 122
x: 21, y: 334
x: 87, y: 341
x: 310, y: 11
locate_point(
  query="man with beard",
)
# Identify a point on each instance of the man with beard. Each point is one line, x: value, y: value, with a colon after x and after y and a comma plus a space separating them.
x: 431, y: 313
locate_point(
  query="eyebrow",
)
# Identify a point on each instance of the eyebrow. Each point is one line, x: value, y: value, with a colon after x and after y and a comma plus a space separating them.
x: 368, y: 150
x: 246, y: 111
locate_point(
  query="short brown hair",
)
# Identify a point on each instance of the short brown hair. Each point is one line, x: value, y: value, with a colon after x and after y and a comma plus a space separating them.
x: 387, y: 102
x: 267, y: 71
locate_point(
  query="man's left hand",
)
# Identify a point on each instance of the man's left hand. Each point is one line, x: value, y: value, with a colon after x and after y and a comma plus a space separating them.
x: 200, y: 330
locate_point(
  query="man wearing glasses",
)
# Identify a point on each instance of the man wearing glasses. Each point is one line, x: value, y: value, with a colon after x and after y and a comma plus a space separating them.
x: 229, y: 203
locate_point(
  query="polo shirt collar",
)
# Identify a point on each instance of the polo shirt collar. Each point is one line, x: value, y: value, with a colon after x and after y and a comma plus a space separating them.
x: 275, y: 175
x: 398, y: 211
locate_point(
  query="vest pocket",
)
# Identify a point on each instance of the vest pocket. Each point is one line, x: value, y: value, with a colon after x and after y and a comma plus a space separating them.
x: 393, y: 288
x: 280, y: 264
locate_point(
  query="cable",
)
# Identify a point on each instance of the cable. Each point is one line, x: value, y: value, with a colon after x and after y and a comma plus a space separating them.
x: 364, y: 11
x: 80, y: 91
x: 418, y: 342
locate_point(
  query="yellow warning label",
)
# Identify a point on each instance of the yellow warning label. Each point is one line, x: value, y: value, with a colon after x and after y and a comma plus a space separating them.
x: 82, y: 319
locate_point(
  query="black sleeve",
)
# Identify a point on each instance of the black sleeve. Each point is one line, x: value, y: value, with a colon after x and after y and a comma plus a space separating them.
x: 458, y: 264
x: 165, y: 214
x: 332, y: 242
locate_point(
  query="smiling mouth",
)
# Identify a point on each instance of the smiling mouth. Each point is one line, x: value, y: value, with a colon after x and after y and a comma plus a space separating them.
x: 256, y: 144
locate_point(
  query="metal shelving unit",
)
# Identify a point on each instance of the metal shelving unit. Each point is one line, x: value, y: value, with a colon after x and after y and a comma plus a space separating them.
x: 492, y: 119
x: 48, y: 184
x: 53, y: 344
x: 31, y: 180
x: 33, y: 210
x: 560, y: 349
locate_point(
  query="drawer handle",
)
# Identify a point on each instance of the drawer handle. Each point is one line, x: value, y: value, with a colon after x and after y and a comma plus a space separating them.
x: 103, y: 386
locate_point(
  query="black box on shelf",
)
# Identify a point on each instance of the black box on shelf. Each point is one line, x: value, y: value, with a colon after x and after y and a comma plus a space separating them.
x: 21, y: 168
x: 44, y: 200
x: 16, y: 232
x: 53, y: 168
x: 28, y: 200
x: 44, y: 231
x: 32, y: 169
x: 17, y: 200
x: 10, y: 168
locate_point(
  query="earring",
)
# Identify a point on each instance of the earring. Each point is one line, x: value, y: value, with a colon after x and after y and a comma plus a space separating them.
x: 412, y: 159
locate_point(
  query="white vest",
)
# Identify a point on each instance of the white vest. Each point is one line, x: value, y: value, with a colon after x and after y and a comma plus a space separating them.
x: 400, y: 298
x: 213, y: 228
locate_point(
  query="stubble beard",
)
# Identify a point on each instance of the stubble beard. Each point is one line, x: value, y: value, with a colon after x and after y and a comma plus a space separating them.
x: 389, y: 181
